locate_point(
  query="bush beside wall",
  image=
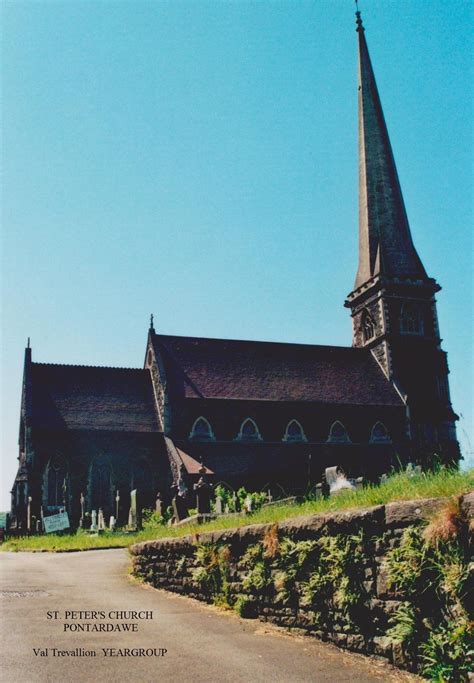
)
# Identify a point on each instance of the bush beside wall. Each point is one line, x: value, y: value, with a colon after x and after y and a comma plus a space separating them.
x: 391, y: 580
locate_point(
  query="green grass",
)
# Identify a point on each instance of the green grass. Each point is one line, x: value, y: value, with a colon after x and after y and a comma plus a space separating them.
x: 398, y: 487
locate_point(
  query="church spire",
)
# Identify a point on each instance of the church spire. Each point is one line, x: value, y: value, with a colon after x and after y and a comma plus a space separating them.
x: 385, y: 243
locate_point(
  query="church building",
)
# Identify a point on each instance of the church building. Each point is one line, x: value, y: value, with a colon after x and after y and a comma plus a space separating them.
x: 256, y: 414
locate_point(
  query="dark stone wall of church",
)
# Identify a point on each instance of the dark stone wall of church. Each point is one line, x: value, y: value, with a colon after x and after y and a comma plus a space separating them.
x: 272, y: 418
x: 290, y: 466
x: 97, y: 464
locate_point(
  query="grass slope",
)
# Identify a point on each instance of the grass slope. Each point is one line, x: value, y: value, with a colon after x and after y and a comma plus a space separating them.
x: 398, y: 487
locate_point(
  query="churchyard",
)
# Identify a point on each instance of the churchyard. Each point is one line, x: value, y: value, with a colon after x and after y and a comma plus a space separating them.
x: 398, y: 486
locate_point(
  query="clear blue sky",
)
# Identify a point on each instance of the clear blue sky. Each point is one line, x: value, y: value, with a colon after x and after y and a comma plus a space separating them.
x: 199, y: 160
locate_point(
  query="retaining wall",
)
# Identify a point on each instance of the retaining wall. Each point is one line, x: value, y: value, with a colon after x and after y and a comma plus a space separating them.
x: 176, y: 565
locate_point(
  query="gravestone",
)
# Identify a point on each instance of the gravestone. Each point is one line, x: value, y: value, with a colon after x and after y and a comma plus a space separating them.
x: 101, y: 520
x: 81, y: 520
x: 337, y: 480
x: 203, y: 495
x: 93, y: 520
x: 133, y: 512
x: 28, y: 515
x: 159, y: 505
x: 117, y: 502
x: 180, y: 509
x: 219, y: 505
x: 112, y: 523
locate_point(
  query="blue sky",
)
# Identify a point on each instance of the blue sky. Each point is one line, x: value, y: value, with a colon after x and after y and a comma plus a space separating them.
x: 199, y: 160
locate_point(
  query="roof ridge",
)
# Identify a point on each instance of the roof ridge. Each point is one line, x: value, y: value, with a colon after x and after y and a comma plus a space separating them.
x: 259, y: 341
x: 92, y: 367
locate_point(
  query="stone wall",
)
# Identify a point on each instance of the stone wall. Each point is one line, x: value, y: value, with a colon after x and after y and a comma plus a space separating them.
x: 261, y: 570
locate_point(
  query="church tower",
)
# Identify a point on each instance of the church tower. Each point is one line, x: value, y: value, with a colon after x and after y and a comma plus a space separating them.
x: 393, y: 303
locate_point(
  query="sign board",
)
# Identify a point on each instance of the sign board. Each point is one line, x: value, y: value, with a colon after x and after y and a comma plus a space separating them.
x: 56, y: 522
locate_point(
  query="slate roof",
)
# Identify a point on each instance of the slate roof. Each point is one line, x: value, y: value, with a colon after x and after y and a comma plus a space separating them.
x: 270, y: 371
x: 95, y: 398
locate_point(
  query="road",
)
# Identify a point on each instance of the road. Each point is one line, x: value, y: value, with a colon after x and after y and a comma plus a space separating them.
x: 202, y: 643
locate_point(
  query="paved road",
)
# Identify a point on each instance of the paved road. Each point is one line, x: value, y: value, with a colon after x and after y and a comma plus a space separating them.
x: 202, y: 643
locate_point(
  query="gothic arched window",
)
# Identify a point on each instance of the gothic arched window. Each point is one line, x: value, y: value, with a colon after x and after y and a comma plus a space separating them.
x: 338, y: 433
x: 100, y: 485
x: 249, y: 431
x: 379, y: 433
x: 294, y: 432
x: 56, y: 482
x: 201, y: 430
x: 368, y: 326
x: 411, y: 321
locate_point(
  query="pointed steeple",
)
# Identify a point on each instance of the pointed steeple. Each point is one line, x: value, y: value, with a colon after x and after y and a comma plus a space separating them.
x: 385, y: 243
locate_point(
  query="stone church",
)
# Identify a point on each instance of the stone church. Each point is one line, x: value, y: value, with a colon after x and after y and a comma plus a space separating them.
x: 254, y: 413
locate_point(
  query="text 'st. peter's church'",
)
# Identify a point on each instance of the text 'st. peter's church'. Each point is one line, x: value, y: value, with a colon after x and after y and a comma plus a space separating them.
x: 258, y: 414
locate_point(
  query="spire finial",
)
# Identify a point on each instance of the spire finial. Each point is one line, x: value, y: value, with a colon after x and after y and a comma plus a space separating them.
x: 28, y: 344
x: 359, y: 18
x: 151, y: 322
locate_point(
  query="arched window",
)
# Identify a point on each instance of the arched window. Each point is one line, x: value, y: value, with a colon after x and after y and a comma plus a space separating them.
x: 368, y: 325
x: 249, y: 431
x: 100, y: 485
x: 56, y: 482
x: 201, y: 430
x: 411, y: 321
x: 338, y: 433
x: 379, y: 433
x: 294, y: 432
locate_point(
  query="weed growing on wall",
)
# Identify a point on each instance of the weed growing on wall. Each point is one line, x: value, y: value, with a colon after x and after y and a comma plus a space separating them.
x: 212, y: 571
x: 430, y: 569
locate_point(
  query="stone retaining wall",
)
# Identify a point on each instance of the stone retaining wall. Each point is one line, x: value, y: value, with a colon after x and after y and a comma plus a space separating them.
x: 174, y: 564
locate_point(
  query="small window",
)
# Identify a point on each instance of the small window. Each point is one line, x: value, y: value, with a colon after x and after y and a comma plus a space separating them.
x: 379, y: 433
x: 294, y: 432
x: 411, y: 321
x: 249, y: 431
x: 201, y: 430
x: 368, y: 326
x: 338, y: 433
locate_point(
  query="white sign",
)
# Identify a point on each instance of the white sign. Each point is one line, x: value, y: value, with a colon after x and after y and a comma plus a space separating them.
x: 56, y: 522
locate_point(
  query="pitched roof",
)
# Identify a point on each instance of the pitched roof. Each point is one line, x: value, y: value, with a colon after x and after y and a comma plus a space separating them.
x: 96, y: 398
x: 269, y: 371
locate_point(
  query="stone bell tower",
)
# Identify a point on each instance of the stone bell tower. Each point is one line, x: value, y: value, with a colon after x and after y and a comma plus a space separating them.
x: 393, y: 303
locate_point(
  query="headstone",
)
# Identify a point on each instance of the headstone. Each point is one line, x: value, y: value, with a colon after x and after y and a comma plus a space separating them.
x: 219, y: 505
x: 359, y: 483
x: 93, y: 520
x: 133, y: 514
x: 337, y: 480
x: 117, y: 501
x: 81, y: 520
x: 180, y: 509
x: 383, y: 478
x: 183, y: 487
x: 112, y: 523
x: 203, y: 496
x: 248, y: 504
x: 28, y: 515
x: 159, y: 504
x: 101, y: 521
x: 269, y: 496
x: 39, y: 526
x: 319, y: 491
